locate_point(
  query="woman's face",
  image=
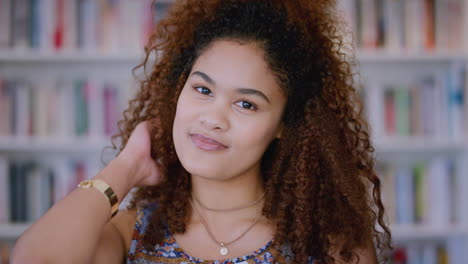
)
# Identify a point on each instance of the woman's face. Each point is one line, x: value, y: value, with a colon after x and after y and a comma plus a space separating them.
x: 228, y: 112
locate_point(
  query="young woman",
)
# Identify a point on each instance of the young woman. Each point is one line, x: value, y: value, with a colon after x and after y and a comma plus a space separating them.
x: 247, y: 145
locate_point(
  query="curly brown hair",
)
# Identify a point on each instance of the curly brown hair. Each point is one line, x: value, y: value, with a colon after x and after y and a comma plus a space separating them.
x: 320, y: 180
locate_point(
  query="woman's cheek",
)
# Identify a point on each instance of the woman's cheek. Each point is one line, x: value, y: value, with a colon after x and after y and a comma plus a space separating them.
x: 258, y: 134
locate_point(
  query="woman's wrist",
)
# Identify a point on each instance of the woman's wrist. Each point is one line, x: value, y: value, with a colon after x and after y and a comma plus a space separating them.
x: 119, y: 175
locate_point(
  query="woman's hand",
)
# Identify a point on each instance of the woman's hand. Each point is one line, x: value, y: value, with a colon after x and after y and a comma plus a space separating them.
x: 136, y: 154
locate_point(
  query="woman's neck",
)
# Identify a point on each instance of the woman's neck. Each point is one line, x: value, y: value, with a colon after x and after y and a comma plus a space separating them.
x: 223, y: 194
x: 234, y: 192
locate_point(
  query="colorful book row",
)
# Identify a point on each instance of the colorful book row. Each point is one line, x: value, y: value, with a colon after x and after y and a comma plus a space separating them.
x: 406, y: 26
x: 61, y: 108
x: 426, y: 192
x: 28, y: 188
x: 423, y: 253
x: 55, y: 25
x: 433, y: 106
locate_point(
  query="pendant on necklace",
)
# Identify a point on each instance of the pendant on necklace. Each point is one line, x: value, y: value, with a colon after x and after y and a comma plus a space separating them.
x: 223, y: 250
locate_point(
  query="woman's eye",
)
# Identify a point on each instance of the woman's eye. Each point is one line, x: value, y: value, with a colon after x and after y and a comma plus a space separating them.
x: 203, y: 90
x: 247, y: 105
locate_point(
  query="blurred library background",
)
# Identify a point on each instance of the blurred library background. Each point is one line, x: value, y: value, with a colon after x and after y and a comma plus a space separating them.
x: 65, y: 78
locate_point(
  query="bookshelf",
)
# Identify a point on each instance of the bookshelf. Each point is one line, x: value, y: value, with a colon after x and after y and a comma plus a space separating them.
x: 412, y: 61
x: 388, y: 59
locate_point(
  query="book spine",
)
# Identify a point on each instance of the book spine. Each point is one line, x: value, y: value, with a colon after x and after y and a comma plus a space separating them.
x: 20, y: 24
x: 59, y: 24
x: 5, y: 23
x: 4, y: 190
x: 389, y: 102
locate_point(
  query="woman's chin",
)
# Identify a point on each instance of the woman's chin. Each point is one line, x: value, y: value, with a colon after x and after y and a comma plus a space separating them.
x: 203, y: 174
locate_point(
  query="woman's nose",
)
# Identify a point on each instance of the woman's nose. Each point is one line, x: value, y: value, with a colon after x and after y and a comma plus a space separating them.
x: 215, y: 118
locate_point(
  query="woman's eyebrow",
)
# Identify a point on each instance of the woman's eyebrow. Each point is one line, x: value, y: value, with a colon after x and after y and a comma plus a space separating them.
x: 239, y: 90
x: 253, y: 92
x: 205, y: 77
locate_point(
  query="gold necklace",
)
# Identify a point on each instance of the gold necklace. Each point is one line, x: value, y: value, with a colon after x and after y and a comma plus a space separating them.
x: 229, y: 209
x: 223, y: 250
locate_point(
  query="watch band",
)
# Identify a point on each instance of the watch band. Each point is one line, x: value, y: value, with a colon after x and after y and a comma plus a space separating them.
x: 104, y: 188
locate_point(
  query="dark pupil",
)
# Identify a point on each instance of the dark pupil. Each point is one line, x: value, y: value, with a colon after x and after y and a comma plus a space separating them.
x: 246, y: 105
x: 205, y: 91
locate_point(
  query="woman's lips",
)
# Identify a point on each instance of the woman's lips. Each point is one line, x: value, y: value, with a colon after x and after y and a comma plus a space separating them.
x: 206, y: 143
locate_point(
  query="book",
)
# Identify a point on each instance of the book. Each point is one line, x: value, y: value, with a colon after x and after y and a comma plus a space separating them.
x: 4, y: 190
x: 5, y: 23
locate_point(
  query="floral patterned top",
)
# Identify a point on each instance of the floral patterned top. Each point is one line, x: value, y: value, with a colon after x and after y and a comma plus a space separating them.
x: 168, y: 251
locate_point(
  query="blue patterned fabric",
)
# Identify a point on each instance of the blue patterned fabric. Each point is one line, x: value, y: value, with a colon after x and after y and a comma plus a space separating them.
x: 169, y: 251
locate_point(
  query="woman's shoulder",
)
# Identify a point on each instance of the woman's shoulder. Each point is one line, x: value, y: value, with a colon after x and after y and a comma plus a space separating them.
x: 129, y: 221
x: 116, y: 237
x: 124, y: 223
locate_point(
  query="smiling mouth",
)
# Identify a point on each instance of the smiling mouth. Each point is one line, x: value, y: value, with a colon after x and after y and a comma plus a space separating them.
x: 206, y: 143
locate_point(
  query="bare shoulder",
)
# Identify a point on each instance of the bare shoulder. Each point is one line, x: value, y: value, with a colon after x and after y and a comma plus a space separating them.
x: 116, y: 238
x: 124, y: 222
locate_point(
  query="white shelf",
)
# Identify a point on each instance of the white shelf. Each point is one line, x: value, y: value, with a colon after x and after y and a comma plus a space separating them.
x: 422, y: 232
x: 12, y: 231
x: 420, y: 146
x: 385, y: 57
x: 52, y: 145
x: 31, y: 56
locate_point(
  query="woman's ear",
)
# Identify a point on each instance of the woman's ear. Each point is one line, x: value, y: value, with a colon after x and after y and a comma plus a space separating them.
x: 279, y: 133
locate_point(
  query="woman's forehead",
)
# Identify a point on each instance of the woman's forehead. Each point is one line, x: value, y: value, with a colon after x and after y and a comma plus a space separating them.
x: 235, y: 65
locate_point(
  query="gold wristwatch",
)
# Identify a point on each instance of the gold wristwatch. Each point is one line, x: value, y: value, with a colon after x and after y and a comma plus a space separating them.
x: 104, y: 188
